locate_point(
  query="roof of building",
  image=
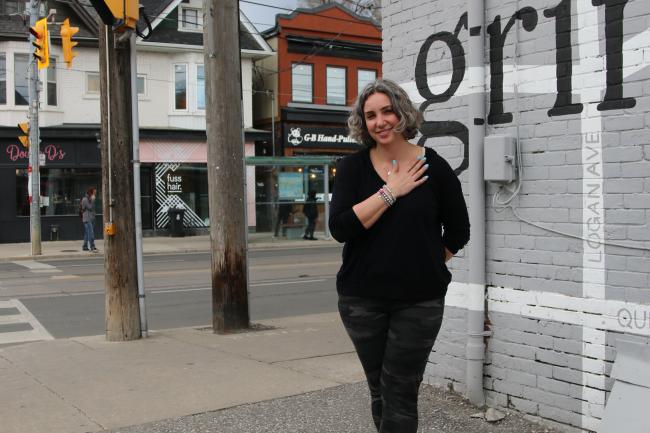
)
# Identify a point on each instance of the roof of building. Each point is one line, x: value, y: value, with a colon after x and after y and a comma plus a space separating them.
x: 272, y: 31
x: 163, y: 14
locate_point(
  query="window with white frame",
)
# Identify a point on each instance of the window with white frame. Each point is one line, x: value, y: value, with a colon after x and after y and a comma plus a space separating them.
x: 301, y: 82
x: 21, y: 86
x: 180, y: 87
x: 200, y: 87
x: 92, y: 82
x: 8, y: 7
x: 191, y: 19
x: 3, y: 78
x: 336, y: 85
x: 51, y: 83
x: 365, y: 77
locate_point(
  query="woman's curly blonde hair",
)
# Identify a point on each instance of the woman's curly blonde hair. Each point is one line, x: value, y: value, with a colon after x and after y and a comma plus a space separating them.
x: 409, y: 117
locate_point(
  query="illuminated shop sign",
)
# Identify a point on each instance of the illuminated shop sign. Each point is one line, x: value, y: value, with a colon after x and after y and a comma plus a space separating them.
x: 299, y: 136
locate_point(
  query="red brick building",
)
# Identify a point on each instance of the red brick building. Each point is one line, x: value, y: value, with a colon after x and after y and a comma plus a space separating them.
x: 324, y: 56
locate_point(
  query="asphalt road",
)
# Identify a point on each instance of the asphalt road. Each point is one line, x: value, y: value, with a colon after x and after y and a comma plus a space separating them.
x: 65, y: 298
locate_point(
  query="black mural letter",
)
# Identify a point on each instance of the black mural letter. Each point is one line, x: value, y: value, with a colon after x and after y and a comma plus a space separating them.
x: 564, y: 72
x: 614, y: 16
x: 458, y: 64
x: 528, y: 17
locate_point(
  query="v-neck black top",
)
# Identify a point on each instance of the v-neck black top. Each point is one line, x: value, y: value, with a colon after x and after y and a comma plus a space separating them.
x: 401, y: 257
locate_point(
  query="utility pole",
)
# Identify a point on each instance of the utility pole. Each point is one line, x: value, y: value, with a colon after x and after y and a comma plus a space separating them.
x: 121, y: 280
x: 228, y: 224
x: 33, y: 171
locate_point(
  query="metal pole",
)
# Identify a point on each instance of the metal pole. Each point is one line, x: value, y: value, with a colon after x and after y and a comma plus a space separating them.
x: 33, y: 172
x: 272, y: 123
x: 475, y: 349
x: 137, y: 202
x: 326, y: 199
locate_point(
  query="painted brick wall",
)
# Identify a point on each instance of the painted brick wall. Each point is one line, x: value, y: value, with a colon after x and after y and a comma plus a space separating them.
x: 557, y: 298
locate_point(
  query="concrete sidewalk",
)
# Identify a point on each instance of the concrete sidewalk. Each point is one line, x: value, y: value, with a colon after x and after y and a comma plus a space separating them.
x: 296, y: 374
x: 151, y: 245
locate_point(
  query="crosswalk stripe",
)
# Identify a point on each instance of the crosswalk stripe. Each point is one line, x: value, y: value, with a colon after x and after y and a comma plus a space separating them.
x: 37, y: 267
x: 33, y: 264
x: 37, y: 333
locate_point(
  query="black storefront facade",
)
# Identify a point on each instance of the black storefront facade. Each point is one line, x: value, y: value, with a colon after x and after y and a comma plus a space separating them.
x: 173, y: 172
x: 72, y: 165
x: 315, y: 131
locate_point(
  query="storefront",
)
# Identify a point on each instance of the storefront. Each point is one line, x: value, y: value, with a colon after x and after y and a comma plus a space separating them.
x: 316, y: 132
x: 173, y: 174
x: 71, y: 166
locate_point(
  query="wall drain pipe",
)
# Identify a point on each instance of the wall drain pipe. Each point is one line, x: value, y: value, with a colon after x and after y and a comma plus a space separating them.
x: 475, y: 349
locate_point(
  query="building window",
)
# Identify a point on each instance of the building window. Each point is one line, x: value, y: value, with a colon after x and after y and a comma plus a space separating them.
x: 92, y: 82
x: 336, y: 85
x: 365, y: 77
x: 51, y: 83
x: 3, y: 78
x: 200, y: 87
x: 61, y: 190
x: 301, y: 83
x: 12, y: 7
x: 21, y: 87
x: 191, y: 19
x: 142, y: 85
x: 180, y: 87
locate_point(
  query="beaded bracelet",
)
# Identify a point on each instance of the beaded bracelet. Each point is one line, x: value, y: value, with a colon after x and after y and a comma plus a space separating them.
x: 387, y: 196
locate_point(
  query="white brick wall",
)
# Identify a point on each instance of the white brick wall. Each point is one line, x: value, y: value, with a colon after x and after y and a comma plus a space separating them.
x: 554, y: 301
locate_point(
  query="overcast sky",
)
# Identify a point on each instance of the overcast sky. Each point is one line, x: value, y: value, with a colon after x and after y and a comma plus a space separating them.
x: 263, y: 17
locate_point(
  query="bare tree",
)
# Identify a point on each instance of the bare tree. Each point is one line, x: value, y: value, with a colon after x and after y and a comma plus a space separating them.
x: 369, y: 8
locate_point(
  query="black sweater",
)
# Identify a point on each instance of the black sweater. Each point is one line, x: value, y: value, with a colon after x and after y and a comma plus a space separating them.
x: 401, y: 257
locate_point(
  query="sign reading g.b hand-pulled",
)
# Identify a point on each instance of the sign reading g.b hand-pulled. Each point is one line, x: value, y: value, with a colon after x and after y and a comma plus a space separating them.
x: 318, y: 137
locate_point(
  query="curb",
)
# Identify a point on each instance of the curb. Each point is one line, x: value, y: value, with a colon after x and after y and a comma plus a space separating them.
x: 267, y: 246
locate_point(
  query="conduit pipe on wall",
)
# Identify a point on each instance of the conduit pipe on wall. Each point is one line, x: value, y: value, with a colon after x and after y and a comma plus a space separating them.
x: 475, y: 349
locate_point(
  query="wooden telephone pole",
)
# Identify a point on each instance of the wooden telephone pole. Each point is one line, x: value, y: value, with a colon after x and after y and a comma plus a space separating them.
x: 122, y: 309
x: 226, y: 181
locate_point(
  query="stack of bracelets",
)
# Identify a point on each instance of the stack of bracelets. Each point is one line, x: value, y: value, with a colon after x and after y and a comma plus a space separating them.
x: 387, y: 195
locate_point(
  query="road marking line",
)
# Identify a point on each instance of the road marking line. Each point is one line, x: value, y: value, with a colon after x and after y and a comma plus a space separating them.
x: 33, y: 265
x: 198, y: 289
x: 38, y: 328
x: 65, y: 277
x: 14, y: 318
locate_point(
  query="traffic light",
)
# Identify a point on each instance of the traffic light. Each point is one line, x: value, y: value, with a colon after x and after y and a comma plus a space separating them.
x: 118, y: 13
x: 42, y: 43
x: 24, y: 133
x: 67, y: 33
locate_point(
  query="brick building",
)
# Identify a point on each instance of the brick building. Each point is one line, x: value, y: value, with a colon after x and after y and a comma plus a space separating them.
x: 325, y: 55
x: 567, y: 263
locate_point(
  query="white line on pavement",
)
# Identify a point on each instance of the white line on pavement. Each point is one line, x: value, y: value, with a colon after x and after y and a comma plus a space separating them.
x: 37, y: 333
x: 276, y: 283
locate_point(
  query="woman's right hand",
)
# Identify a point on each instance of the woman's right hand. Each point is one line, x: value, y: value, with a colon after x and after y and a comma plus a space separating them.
x: 401, y: 182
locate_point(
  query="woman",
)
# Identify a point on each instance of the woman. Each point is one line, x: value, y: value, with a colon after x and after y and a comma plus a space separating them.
x: 390, y: 203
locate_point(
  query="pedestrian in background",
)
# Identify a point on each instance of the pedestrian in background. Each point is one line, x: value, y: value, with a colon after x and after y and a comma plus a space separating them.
x: 310, y: 210
x: 284, y: 212
x: 88, y: 219
x: 390, y: 204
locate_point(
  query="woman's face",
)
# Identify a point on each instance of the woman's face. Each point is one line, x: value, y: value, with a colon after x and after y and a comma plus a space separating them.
x: 380, y: 118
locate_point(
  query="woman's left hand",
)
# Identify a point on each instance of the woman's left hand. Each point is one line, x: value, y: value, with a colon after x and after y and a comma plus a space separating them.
x: 448, y: 255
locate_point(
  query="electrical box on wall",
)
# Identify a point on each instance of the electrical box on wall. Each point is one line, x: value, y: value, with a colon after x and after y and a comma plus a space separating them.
x: 500, y: 158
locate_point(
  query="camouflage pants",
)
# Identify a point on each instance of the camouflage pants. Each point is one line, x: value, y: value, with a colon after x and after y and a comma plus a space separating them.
x: 393, y: 341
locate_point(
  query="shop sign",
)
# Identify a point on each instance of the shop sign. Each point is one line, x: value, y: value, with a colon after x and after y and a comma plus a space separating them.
x: 174, y: 183
x: 319, y: 137
x: 18, y: 154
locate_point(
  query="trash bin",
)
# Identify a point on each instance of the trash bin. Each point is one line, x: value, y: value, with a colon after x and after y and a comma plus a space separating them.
x: 176, y: 215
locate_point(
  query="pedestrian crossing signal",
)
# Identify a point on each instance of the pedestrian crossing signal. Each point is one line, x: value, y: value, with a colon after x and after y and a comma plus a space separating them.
x: 41, y: 42
x: 67, y: 33
x: 24, y: 134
